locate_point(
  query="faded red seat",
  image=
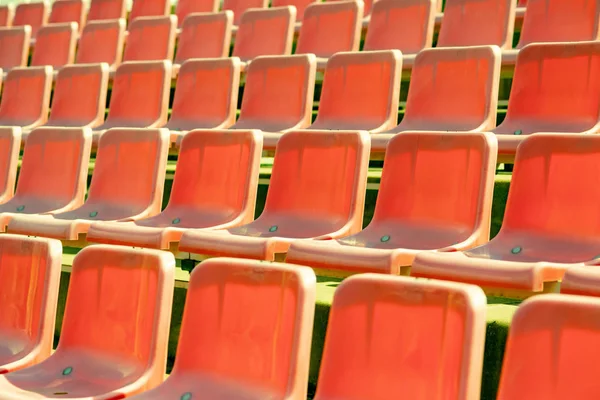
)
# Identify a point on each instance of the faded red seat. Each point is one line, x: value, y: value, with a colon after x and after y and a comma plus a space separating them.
x: 64, y: 11
x: 149, y: 8
x: 14, y: 43
x: 102, y: 42
x: 55, y: 45
x: 7, y: 13
x: 107, y: 10
x: 187, y: 7
x: 10, y: 145
x: 33, y: 14
x: 239, y: 7
x: 151, y: 39
x: 299, y: 4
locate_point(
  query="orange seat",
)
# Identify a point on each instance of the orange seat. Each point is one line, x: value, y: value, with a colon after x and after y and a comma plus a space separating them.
x: 206, y: 95
x: 392, y: 337
x: 10, y: 144
x: 543, y: 100
x: 29, y: 280
x: 405, y: 25
x: 187, y: 7
x: 149, y: 8
x: 26, y: 97
x: 140, y: 96
x: 546, y: 228
x: 32, y: 14
x: 476, y: 23
x: 265, y: 32
x: 106, y: 10
x: 14, y: 43
x: 582, y: 280
x: 115, y: 330
x: 239, y: 7
x: 151, y: 39
x: 68, y: 11
x: 551, y: 349
x: 55, y: 45
x: 435, y: 194
x: 127, y: 184
x: 102, y: 41
x: 317, y: 190
x: 53, y: 173
x: 331, y: 27
x: 299, y: 4
x: 214, y: 188
x: 273, y: 303
x: 7, y: 13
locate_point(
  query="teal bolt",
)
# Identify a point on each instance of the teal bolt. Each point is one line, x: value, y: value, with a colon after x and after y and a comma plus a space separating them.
x: 518, y: 132
x: 93, y: 214
x: 273, y: 228
x: 186, y: 396
x: 67, y: 371
x: 516, y: 250
x: 385, y: 238
x: 20, y: 208
x: 176, y: 221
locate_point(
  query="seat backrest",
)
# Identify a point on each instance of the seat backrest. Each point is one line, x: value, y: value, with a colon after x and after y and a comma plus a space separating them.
x: 239, y: 7
x: 278, y: 93
x: 265, y: 32
x: 398, y: 337
x: 29, y: 282
x: 187, y: 7
x: 453, y: 89
x: 102, y: 41
x: 55, y: 45
x: 79, y: 96
x: 206, y: 94
x: 299, y: 4
x: 275, y: 301
x: 360, y: 90
x: 26, y: 96
x: 542, y: 98
x: 107, y: 10
x: 149, y: 8
x: 406, y: 25
x: 68, y: 11
x: 10, y: 145
x: 140, y: 94
x: 14, y: 43
x: 330, y: 27
x: 151, y: 38
x: 32, y: 14
x: 205, y: 35
x: 7, y: 13
x: 560, y: 21
x: 217, y: 173
x: 551, y: 342
x: 129, y: 291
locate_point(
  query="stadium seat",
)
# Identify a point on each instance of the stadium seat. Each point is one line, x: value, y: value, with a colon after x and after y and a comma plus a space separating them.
x: 239, y: 7
x: 477, y: 23
x: 26, y: 97
x: 151, y: 39
x: 53, y: 173
x: 187, y: 7
x: 206, y: 96
x: 33, y: 14
x: 127, y: 184
x: 299, y: 4
x: 149, y: 8
x: 101, y: 10
x: 582, y: 280
x: 317, y: 190
x: 391, y: 337
x: 140, y: 96
x: 14, y: 43
x: 102, y: 42
x: 451, y: 89
x: 543, y: 100
x: 330, y: 27
x: 55, y: 45
x: 7, y: 13
x: 435, y: 194
x: 115, y: 329
x: 546, y: 228
x: 64, y: 11
x: 265, y: 32
x: 10, y: 145
x: 551, y: 350
x: 405, y: 25
x: 557, y: 21
x: 29, y: 281
x: 214, y: 188
x: 273, y: 303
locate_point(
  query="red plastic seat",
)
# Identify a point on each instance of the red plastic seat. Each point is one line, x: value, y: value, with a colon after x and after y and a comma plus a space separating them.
x: 551, y: 350
x: 149, y: 8
x: 55, y: 45
x: 328, y: 28
x: 32, y: 14
x: 543, y: 100
x: 107, y: 10
x: 26, y: 97
x: 239, y: 7
x: 582, y: 280
x: 115, y: 330
x: 550, y: 221
x: 402, y: 338
x: 476, y: 23
x: 127, y: 184
x: 405, y: 25
x: 10, y: 144
x: 102, y: 42
x: 214, y: 188
x: 151, y: 39
x: 317, y: 190
x: 435, y: 194
x: 29, y: 281
x: 299, y: 4
x: 7, y: 13
x: 187, y: 7
x: 274, y: 303
x: 68, y: 11
x: 53, y: 173
x: 14, y: 43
